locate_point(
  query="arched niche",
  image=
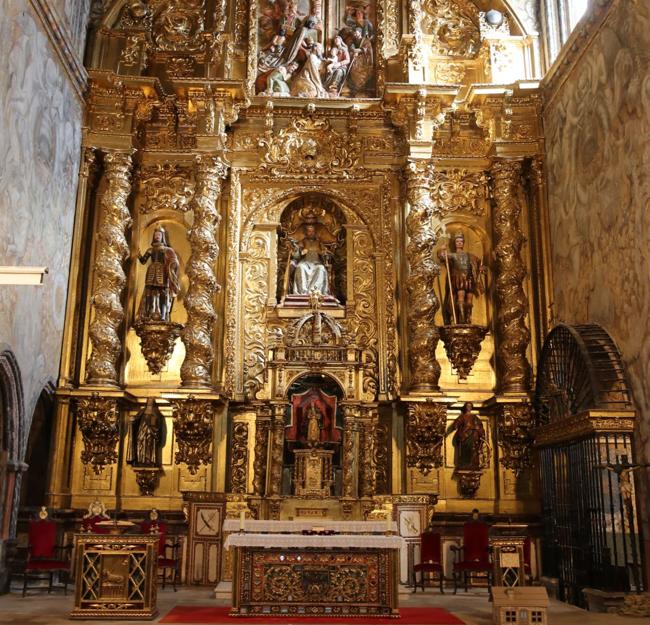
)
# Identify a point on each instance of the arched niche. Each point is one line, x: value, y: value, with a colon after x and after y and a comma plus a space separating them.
x: 327, y: 223
x: 326, y: 393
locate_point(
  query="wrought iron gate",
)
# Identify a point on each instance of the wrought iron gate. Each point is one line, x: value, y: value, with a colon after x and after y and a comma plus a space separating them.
x: 584, y: 430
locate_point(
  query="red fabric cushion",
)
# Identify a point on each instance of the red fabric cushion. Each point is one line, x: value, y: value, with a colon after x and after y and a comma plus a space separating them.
x: 46, y: 565
x: 430, y: 547
x: 42, y: 538
x: 90, y: 525
x: 428, y: 566
x: 475, y: 541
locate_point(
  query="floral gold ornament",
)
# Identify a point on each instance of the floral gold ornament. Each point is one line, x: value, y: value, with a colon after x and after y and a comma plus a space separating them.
x: 193, y: 427
x: 99, y: 424
x: 147, y: 479
x: 515, y: 424
x: 469, y: 482
x: 462, y: 345
x: 112, y: 251
x: 239, y: 457
x: 425, y: 434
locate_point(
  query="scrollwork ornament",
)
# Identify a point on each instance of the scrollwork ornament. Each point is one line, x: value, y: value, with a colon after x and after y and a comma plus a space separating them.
x: 423, y: 302
x: 193, y: 427
x: 262, y: 428
x: 110, y: 280
x: 459, y: 191
x: 98, y: 421
x: 239, y: 457
x: 515, y: 423
x: 166, y: 186
x: 199, y: 301
x: 512, y: 303
x: 157, y: 340
x: 425, y: 434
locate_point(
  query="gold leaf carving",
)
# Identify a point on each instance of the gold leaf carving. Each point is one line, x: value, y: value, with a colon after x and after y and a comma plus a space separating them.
x: 166, y: 186
x: 98, y: 421
x: 425, y: 434
x: 112, y: 251
x: 454, y: 25
x: 459, y: 191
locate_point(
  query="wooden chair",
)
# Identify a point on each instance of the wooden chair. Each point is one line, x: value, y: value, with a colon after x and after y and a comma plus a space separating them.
x: 167, y: 551
x: 430, y: 559
x: 475, y: 552
x: 44, y: 555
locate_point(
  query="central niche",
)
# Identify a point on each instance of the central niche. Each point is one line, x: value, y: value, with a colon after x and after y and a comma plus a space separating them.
x: 311, y: 252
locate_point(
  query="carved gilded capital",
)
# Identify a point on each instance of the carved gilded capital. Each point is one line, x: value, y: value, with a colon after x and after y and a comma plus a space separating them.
x: 193, y: 427
x: 112, y: 251
x: 199, y: 301
x: 512, y: 304
x: 98, y: 421
x: 425, y: 435
x: 423, y: 302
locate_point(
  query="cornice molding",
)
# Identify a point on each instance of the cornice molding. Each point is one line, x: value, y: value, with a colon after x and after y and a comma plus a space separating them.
x: 576, y: 46
x: 60, y: 40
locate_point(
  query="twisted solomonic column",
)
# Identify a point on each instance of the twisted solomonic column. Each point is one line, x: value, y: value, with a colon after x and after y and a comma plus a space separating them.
x: 423, y: 303
x: 110, y: 280
x: 512, y: 304
x: 199, y: 301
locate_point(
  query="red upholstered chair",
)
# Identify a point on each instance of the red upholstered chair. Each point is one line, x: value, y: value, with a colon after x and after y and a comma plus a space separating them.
x: 475, y: 552
x: 167, y: 550
x: 430, y: 559
x: 44, y: 556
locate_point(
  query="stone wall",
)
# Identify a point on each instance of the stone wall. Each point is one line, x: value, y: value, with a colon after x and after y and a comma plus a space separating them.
x: 40, y: 134
x: 597, y: 126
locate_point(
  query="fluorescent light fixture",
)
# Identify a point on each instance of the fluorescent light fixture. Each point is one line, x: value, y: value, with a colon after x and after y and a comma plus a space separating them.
x: 22, y: 276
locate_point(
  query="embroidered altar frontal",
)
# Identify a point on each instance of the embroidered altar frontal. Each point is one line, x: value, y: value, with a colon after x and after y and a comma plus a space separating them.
x: 315, y: 582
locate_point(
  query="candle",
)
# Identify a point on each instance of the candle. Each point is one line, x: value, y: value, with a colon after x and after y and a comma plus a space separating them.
x: 242, y: 518
x: 389, y: 522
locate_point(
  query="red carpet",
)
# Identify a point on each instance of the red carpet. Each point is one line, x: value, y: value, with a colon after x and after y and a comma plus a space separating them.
x: 219, y: 616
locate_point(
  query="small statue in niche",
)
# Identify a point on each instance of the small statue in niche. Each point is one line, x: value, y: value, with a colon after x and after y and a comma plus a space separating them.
x: 146, y: 436
x: 161, y: 281
x: 314, y: 423
x: 469, y: 439
x: 311, y: 262
x: 464, y: 281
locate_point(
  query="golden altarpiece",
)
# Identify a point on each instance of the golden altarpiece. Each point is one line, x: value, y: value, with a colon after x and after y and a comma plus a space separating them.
x: 309, y: 261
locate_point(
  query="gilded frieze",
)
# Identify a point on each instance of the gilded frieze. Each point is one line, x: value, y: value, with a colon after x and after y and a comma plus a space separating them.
x: 166, y: 186
x: 459, y: 191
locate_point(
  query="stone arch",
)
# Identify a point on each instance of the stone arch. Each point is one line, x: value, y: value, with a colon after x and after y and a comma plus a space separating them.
x: 37, y: 453
x: 12, y: 420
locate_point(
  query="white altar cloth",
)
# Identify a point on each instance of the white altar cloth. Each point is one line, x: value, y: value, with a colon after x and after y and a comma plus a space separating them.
x: 300, y: 541
x: 278, y: 527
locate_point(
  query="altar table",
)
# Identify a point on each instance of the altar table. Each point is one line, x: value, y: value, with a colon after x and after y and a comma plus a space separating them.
x: 315, y: 575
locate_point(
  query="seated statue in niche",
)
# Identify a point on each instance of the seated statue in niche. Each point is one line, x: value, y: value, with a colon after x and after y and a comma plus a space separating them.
x: 161, y: 284
x: 311, y: 262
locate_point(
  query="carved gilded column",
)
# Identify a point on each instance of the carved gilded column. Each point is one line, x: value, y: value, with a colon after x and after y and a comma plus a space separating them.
x: 368, y: 467
x: 350, y: 451
x: 110, y: 280
x: 274, y: 486
x: 262, y: 428
x: 423, y: 303
x: 199, y: 301
x: 415, y: 53
x: 512, y: 304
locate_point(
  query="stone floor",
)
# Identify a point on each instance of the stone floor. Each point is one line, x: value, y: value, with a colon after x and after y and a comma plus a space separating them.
x: 39, y: 608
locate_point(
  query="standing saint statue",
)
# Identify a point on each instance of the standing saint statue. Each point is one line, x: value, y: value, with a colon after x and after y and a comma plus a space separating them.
x: 464, y: 278
x: 469, y: 439
x: 314, y: 424
x: 309, y: 258
x: 146, y: 436
x: 161, y: 283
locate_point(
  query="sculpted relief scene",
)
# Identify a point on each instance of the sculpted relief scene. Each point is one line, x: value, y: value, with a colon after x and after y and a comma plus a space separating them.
x: 307, y: 248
